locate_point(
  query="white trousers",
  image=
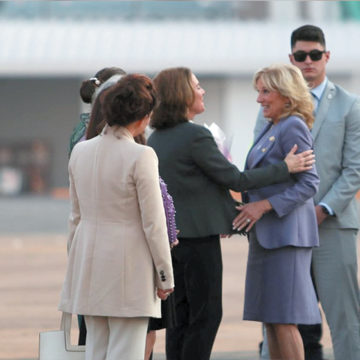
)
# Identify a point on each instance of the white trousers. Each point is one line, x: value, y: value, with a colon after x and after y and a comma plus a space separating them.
x: 114, y: 338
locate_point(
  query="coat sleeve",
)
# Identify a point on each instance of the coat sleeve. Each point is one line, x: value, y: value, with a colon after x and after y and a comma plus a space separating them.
x: 208, y: 157
x: 306, y: 183
x: 75, y: 215
x: 147, y: 183
x: 347, y: 184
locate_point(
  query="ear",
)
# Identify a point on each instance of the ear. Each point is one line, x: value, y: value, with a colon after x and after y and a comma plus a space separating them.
x: 138, y: 123
x: 327, y: 56
x: 141, y: 122
x: 291, y: 58
x: 287, y: 102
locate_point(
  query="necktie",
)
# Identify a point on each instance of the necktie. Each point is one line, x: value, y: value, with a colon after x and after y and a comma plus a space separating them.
x: 315, y: 102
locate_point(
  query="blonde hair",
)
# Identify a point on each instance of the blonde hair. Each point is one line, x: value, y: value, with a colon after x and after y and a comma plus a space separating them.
x: 289, y: 82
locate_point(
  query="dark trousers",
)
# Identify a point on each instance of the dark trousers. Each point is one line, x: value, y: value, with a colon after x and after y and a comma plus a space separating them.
x: 197, y: 267
x: 82, y: 330
x: 311, y: 336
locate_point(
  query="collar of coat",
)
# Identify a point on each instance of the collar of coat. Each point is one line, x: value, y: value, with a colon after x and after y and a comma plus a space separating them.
x: 117, y: 131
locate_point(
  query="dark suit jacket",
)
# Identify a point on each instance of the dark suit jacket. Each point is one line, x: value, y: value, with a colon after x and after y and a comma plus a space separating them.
x: 199, y: 178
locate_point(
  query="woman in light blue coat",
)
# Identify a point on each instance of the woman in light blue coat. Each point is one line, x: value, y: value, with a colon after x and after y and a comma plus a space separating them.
x: 280, y: 218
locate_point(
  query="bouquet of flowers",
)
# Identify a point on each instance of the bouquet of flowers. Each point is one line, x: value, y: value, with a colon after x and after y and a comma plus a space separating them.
x: 169, y: 212
x: 223, y: 144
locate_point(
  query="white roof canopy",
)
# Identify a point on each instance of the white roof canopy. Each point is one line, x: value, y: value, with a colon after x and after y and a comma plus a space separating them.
x: 70, y: 47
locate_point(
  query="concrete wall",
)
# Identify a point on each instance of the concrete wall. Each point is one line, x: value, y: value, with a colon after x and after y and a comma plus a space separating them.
x: 44, y: 109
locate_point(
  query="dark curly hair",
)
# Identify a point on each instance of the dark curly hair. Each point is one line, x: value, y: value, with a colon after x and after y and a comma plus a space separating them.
x: 89, y: 86
x: 130, y: 99
x: 175, y: 96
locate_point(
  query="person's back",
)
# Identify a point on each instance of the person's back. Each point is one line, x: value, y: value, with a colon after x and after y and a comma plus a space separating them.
x: 119, y: 253
x: 105, y: 178
x: 193, y: 181
x: 104, y: 171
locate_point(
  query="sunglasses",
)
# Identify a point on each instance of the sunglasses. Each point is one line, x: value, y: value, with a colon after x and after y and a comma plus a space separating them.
x: 315, y: 55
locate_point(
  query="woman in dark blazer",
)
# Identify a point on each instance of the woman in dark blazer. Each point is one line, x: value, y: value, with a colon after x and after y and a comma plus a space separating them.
x: 279, y: 290
x: 199, y: 178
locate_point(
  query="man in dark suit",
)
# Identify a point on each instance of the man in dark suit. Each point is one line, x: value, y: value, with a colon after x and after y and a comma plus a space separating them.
x: 336, y: 135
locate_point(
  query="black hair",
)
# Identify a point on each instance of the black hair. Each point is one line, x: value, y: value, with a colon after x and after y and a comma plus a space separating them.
x: 308, y: 33
x: 89, y: 86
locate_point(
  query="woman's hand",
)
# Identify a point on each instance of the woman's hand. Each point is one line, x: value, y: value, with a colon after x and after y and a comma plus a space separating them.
x: 163, y: 294
x: 320, y: 215
x: 175, y: 243
x: 299, y: 162
x: 224, y: 236
x: 250, y: 213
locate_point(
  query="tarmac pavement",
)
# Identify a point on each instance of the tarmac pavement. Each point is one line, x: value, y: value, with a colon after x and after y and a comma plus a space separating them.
x: 32, y: 268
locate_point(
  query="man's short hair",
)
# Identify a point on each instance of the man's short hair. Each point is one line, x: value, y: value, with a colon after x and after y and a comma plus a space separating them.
x: 308, y: 33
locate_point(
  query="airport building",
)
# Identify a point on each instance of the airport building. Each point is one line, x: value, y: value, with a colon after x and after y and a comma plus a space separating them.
x: 49, y: 47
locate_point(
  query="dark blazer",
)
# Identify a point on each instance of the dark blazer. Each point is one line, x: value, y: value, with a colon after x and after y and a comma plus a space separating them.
x: 292, y: 220
x: 199, y: 178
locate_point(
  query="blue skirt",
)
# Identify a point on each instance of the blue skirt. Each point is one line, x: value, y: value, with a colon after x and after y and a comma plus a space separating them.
x: 279, y: 288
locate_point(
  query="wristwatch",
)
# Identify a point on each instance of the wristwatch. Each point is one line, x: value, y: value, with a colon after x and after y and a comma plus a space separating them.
x: 325, y: 210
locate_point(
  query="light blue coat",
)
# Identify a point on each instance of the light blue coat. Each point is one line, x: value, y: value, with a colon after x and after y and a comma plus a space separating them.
x: 292, y: 220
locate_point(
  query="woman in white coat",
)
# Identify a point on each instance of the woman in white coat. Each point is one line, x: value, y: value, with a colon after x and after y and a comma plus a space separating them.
x: 119, y: 256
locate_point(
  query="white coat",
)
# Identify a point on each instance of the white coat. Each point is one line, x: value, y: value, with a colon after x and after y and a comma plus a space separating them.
x: 118, y: 245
